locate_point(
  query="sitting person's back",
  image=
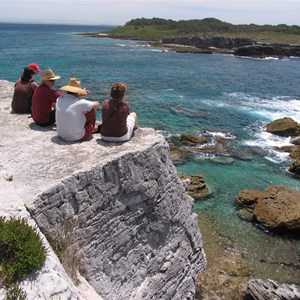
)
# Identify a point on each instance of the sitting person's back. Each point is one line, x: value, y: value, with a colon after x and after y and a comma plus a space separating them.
x: 75, y: 117
x: 118, y: 123
x: 23, y: 91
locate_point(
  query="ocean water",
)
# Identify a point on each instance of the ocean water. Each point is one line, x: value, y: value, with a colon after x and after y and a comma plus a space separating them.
x: 177, y: 93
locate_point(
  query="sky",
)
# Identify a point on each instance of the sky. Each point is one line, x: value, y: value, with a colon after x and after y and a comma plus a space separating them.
x: 118, y: 12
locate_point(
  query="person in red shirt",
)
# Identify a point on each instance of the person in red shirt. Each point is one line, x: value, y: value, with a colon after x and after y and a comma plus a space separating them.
x: 44, y: 99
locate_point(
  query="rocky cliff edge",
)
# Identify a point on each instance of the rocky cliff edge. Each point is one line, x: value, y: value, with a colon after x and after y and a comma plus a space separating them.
x: 119, y: 209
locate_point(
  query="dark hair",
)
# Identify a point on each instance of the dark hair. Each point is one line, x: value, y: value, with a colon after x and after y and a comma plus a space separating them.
x: 118, y: 90
x: 27, y: 74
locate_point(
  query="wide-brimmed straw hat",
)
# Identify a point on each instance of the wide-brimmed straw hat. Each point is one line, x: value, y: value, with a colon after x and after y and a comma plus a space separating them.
x: 49, y: 75
x: 74, y: 87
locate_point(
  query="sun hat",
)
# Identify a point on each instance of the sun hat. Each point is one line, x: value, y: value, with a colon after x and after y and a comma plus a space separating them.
x: 49, y: 75
x: 74, y: 87
x: 35, y: 67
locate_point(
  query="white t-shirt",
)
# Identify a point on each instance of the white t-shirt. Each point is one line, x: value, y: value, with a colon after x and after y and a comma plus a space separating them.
x: 70, y: 117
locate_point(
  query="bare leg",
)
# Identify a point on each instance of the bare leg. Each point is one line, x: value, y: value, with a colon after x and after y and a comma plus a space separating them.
x: 136, y: 125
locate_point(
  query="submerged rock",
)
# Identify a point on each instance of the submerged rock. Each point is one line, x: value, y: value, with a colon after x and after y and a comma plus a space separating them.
x: 197, y: 187
x: 276, y: 208
x: 176, y: 154
x: 190, y: 139
x: 295, y: 167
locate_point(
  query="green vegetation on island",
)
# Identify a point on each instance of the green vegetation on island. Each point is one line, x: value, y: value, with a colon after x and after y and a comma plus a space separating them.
x: 157, y: 28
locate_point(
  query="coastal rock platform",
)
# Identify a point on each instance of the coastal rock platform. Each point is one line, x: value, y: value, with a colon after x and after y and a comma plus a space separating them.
x: 120, y: 210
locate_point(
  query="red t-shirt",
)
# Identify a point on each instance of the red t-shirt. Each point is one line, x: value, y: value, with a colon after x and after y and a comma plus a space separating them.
x: 114, y: 116
x: 43, y: 102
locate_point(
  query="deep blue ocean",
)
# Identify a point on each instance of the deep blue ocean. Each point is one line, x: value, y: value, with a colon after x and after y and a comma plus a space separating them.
x: 177, y: 93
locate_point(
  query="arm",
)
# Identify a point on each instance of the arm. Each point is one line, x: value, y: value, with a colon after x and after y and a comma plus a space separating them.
x: 105, y: 104
x: 34, y: 84
x: 95, y: 104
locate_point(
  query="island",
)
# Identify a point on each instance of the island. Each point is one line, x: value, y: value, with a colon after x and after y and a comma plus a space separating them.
x: 211, y: 35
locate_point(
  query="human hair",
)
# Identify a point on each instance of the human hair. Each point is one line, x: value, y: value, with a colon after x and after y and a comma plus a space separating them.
x: 27, y: 73
x: 118, y: 90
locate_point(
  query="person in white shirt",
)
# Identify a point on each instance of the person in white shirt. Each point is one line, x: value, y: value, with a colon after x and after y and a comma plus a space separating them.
x: 75, y: 116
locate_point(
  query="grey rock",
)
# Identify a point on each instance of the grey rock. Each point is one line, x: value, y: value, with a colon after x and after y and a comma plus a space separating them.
x: 266, y: 290
x: 210, y: 41
x: 121, y: 208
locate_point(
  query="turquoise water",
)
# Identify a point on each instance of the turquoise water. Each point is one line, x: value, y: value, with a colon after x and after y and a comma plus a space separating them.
x: 184, y: 93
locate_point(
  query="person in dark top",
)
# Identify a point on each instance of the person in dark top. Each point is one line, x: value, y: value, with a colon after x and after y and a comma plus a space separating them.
x: 23, y: 91
x: 118, y: 123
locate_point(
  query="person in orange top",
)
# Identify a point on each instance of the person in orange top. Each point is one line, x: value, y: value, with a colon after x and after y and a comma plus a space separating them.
x: 44, y: 99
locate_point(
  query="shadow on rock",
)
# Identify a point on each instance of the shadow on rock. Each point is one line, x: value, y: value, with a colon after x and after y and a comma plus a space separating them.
x: 34, y: 126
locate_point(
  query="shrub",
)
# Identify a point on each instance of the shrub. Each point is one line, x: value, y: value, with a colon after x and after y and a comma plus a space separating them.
x: 21, y: 249
x: 62, y: 244
x: 14, y: 292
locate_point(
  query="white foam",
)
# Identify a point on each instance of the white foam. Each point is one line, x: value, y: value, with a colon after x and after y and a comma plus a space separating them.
x: 271, y: 58
x: 267, y: 108
x: 271, y: 144
x: 278, y: 157
x: 225, y: 135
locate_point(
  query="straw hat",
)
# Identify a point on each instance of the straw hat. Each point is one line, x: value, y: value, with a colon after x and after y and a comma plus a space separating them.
x: 74, y: 87
x: 49, y: 75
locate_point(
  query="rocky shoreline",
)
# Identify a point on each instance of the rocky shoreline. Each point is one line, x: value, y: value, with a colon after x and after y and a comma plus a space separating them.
x: 227, y: 271
x: 274, y: 211
x: 216, y: 44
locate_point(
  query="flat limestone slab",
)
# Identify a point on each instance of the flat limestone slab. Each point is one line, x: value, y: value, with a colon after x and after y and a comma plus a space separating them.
x: 34, y: 158
x: 127, y: 211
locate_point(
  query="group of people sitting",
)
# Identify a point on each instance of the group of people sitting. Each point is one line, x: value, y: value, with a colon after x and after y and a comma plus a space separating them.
x: 75, y: 117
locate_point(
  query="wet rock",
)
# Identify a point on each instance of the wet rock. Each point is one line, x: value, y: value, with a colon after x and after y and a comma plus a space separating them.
x: 203, y: 147
x: 288, y: 127
x: 190, y: 139
x: 197, y: 187
x: 295, y: 141
x: 276, y: 208
x: 242, y: 155
x: 294, y: 151
x: 295, y: 167
x: 284, y: 127
x: 266, y: 290
x: 176, y: 154
x: 265, y: 50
